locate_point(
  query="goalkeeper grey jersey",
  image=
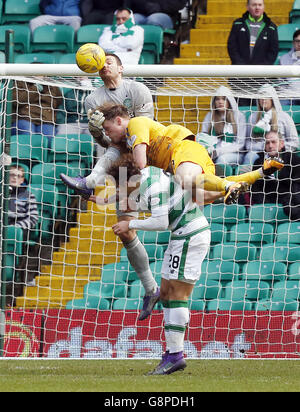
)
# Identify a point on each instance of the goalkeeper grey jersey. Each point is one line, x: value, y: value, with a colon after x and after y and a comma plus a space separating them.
x: 162, y: 196
x: 135, y: 96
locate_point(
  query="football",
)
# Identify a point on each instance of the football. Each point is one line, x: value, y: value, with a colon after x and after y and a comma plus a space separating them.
x: 90, y: 58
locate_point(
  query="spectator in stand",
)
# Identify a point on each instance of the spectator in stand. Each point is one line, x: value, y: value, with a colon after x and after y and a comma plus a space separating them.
x: 253, y: 38
x: 22, y: 211
x: 284, y: 186
x: 35, y: 106
x: 99, y: 11
x: 269, y: 116
x: 124, y: 38
x: 292, y: 58
x: 227, y: 125
x: 163, y: 13
x: 58, y: 12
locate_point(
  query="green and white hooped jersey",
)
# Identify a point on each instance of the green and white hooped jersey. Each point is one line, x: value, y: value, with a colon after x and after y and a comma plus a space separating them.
x: 162, y: 195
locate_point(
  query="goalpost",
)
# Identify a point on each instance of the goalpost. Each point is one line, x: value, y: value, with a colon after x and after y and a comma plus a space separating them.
x: 68, y: 289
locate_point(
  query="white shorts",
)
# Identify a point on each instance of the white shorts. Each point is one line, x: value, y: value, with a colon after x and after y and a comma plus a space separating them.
x: 184, y: 256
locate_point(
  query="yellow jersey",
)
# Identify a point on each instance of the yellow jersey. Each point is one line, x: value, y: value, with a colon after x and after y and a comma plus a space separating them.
x: 161, y: 140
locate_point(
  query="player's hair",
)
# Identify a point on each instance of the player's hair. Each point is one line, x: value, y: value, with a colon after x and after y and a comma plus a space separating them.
x: 112, y: 110
x: 117, y: 58
x: 125, y: 161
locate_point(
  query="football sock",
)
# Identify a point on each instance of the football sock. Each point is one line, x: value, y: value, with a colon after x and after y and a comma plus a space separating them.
x: 176, y: 317
x: 211, y: 183
x: 139, y: 260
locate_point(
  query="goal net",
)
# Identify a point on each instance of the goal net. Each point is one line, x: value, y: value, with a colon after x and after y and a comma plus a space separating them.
x: 67, y: 288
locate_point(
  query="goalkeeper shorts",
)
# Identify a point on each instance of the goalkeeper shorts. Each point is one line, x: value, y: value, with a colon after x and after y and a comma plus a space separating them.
x: 184, y: 256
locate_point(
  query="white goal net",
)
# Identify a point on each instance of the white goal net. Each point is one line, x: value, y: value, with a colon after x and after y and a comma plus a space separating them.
x: 67, y: 288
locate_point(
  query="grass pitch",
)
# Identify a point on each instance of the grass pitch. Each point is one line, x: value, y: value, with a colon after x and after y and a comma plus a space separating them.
x: 129, y: 376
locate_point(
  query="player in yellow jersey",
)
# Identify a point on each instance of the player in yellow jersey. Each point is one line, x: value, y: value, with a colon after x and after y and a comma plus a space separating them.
x: 174, y: 148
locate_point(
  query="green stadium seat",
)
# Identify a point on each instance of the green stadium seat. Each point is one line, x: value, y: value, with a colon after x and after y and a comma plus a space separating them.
x: 57, y: 37
x: 136, y: 290
x: 208, y: 289
x: 156, y: 267
x: 241, y: 290
x: 288, y: 233
x: 22, y: 36
x: 286, y: 290
x: 198, y: 305
x: 218, y: 233
x: 105, y: 290
x: 29, y: 148
x: 285, y: 35
x: 220, y: 213
x: 72, y: 151
x: 29, y: 58
x: 155, y: 252
x: 219, y: 270
x: 238, y: 252
x: 47, y: 197
x: 14, y: 249
x: 92, y: 303
x: 66, y: 58
x: 153, y: 43
x: 226, y: 305
x: 295, y: 12
x: 294, y: 271
x: 116, y: 272
x: 161, y: 238
x: 20, y: 11
x: 279, y: 252
x: 268, y: 271
x: 127, y: 304
x: 269, y: 305
x: 257, y: 232
x: 268, y: 213
x: 89, y: 33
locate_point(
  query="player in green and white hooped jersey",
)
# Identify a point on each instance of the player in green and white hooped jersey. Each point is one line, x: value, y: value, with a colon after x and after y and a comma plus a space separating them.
x: 171, y: 208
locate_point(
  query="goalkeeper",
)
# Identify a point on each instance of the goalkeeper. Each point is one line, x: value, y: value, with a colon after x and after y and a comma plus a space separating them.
x: 171, y: 209
x: 174, y: 149
x: 138, y: 100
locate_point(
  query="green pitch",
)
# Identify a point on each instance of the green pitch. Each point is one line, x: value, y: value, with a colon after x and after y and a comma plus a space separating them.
x: 129, y: 376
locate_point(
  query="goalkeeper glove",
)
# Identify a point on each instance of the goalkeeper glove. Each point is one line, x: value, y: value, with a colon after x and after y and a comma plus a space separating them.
x: 96, y: 120
x: 271, y: 165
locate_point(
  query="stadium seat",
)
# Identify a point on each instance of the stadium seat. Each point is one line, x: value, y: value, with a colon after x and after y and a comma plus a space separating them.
x: 128, y: 304
x: 218, y: 233
x: 295, y: 12
x: 220, y: 213
x: 93, y: 302
x: 268, y: 213
x: 285, y: 35
x: 226, y: 305
x: 155, y: 252
x: 156, y: 267
x: 219, y: 270
x: 161, y: 238
x: 116, y: 272
x: 209, y: 289
x: 288, y: 233
x: 105, y: 290
x: 286, y: 290
x: 153, y: 43
x: 238, y: 252
x: 257, y: 233
x: 57, y: 37
x: 241, y: 290
x: 12, y: 251
x: 20, y: 11
x: 47, y: 58
x: 66, y: 58
x: 294, y: 271
x: 269, y: 305
x: 72, y: 152
x: 22, y: 37
x: 198, y: 305
x: 268, y: 271
x: 47, y: 198
x: 136, y: 290
x: 29, y: 148
x: 89, y: 33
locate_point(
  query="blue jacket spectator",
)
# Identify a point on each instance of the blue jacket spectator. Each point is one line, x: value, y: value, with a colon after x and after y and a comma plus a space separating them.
x: 58, y: 12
